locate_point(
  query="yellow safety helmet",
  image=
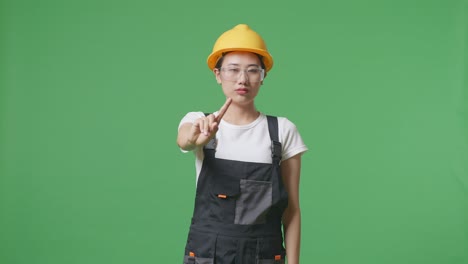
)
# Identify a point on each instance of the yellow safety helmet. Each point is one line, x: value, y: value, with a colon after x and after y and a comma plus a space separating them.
x: 240, y: 38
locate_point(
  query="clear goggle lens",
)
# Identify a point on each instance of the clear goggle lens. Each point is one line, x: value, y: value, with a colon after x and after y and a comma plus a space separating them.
x: 253, y: 74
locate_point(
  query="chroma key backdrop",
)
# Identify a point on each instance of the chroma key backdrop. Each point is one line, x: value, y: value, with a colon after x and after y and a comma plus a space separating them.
x: 92, y: 92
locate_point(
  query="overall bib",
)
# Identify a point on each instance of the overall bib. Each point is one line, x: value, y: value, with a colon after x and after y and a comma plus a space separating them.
x: 238, y: 209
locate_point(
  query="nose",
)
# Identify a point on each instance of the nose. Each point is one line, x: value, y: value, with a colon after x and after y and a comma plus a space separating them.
x: 242, y: 77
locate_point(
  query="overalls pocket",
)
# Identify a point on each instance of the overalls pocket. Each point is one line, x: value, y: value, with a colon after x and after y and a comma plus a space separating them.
x: 195, y: 260
x: 254, y: 202
x: 200, y: 248
x: 223, y: 204
x: 270, y: 261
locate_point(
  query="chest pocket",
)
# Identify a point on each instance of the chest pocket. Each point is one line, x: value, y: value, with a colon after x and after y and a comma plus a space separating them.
x: 223, y: 202
x: 254, y: 202
x: 244, y: 203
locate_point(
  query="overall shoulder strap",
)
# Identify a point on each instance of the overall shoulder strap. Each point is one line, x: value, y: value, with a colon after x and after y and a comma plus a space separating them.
x: 275, y: 143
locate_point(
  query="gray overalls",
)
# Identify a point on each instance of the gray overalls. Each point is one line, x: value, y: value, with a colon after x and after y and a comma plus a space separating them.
x: 238, y: 209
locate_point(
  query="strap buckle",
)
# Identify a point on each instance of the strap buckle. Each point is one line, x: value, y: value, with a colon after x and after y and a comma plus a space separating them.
x: 211, y: 144
x: 276, y: 151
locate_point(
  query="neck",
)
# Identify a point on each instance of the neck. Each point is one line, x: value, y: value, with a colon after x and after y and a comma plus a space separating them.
x: 241, y: 114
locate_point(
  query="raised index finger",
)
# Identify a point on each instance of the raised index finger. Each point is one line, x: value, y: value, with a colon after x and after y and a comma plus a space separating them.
x: 223, y: 110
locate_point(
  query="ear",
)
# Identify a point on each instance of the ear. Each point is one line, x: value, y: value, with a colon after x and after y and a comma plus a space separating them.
x: 217, y: 75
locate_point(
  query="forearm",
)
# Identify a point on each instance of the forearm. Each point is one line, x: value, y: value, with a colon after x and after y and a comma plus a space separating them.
x: 185, y: 144
x: 184, y: 141
x: 292, y: 234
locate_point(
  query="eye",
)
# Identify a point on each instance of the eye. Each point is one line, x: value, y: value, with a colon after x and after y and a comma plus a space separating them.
x: 253, y: 70
x: 233, y: 70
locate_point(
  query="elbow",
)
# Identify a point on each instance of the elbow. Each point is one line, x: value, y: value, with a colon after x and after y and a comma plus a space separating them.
x: 184, y: 145
x: 293, y: 207
x: 291, y: 214
x: 179, y: 143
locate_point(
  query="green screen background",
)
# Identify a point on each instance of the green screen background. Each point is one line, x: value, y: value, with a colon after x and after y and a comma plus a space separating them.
x: 91, y: 94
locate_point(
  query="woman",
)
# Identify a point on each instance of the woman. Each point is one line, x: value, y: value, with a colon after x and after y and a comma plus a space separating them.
x: 248, y: 165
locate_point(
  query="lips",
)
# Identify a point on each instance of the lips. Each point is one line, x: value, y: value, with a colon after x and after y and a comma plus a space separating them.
x: 242, y: 91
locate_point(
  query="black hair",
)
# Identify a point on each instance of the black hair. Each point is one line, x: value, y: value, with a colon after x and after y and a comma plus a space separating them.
x: 220, y: 60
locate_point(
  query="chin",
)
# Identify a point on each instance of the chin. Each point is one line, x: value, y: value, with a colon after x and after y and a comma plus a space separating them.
x: 242, y: 100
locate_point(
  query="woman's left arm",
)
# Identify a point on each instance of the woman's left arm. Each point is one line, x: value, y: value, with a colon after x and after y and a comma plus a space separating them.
x: 290, y: 171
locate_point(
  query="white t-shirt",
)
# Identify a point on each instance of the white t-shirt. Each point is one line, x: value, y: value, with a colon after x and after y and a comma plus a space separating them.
x: 249, y: 142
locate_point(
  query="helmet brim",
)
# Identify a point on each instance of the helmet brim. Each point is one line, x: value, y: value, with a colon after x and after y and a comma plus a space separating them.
x: 215, y: 56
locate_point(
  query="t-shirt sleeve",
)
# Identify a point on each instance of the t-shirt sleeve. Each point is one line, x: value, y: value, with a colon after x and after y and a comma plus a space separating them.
x: 190, y: 118
x: 291, y: 140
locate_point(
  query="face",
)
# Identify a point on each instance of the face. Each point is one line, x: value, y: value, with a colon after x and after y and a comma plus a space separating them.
x: 238, y: 76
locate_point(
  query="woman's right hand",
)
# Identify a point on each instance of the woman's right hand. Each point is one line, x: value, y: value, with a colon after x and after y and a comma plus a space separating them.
x: 202, y: 130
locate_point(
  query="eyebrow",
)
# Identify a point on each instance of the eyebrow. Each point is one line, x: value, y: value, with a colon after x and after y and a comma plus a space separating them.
x: 236, y: 64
